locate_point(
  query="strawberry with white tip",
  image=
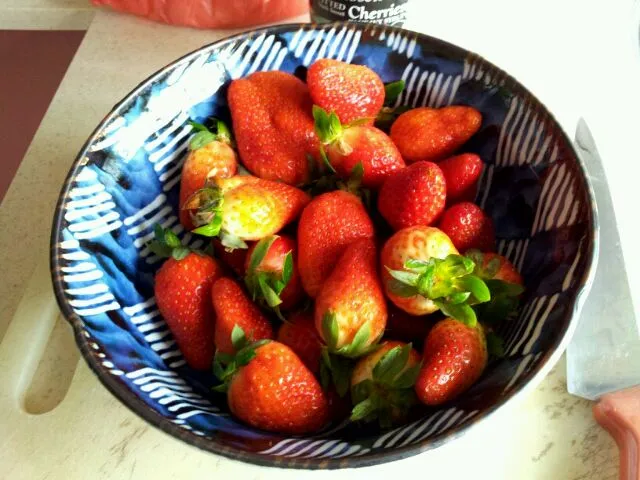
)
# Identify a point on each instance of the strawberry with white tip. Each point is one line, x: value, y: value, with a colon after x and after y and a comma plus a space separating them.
x: 423, y: 272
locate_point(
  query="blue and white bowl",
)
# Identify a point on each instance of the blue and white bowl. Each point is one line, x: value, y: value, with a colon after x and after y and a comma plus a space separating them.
x: 126, y: 179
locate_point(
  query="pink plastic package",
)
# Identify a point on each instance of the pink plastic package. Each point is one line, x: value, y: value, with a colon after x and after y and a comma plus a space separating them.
x: 211, y: 13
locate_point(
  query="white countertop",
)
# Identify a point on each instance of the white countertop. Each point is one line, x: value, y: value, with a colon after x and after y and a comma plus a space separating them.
x: 579, y: 60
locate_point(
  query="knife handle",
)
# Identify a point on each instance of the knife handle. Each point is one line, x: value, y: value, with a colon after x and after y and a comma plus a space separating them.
x: 619, y: 414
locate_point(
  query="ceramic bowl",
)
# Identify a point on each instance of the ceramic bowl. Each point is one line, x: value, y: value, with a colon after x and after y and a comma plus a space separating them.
x: 126, y: 179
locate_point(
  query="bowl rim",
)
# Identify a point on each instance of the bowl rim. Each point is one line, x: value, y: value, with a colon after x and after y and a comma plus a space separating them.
x: 525, y: 383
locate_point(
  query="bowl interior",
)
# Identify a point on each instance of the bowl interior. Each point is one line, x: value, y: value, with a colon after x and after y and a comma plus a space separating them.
x: 126, y: 180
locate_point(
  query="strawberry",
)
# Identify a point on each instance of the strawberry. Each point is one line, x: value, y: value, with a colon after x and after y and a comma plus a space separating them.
x: 413, y: 196
x: 268, y: 387
x: 468, y: 227
x: 455, y: 356
x: 350, y: 146
x: 406, y: 327
x: 245, y: 208
x: 462, y: 173
x: 497, y: 267
x: 327, y: 226
x: 272, y: 122
x: 233, y: 307
x: 233, y: 258
x: 210, y: 156
x: 299, y: 334
x: 433, y: 134
x: 350, y: 311
x: 351, y: 91
x: 504, y: 283
x: 182, y: 286
x: 422, y: 272
x: 382, y: 384
x: 272, y: 274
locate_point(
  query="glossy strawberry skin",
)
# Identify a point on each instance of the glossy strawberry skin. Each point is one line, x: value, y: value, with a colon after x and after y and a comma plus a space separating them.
x: 216, y: 159
x: 454, y: 357
x: 327, y: 226
x: 433, y: 134
x: 254, y: 208
x: 468, y: 227
x: 419, y: 243
x: 182, y: 294
x: 413, y: 196
x: 507, y: 272
x: 273, y: 262
x: 273, y: 126
x: 351, y: 91
x: 299, y: 334
x: 461, y: 174
x: 370, y: 147
x: 354, y: 294
x: 233, y: 307
x: 277, y: 393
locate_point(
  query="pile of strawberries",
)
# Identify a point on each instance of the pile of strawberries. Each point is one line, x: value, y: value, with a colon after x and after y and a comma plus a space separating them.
x: 354, y: 236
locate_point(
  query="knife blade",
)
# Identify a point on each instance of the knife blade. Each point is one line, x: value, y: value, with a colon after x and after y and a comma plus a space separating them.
x: 604, y: 354
x: 603, y: 358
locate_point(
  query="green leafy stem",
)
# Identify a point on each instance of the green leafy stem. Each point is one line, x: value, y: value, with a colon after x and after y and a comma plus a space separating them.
x: 265, y: 285
x: 449, y: 283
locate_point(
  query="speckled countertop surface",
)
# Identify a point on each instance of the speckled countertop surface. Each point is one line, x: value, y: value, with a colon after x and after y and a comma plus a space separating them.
x: 546, y: 434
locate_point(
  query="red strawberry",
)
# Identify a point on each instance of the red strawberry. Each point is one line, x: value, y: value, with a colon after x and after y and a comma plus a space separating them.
x: 413, y: 196
x: 504, y: 283
x: 232, y: 258
x: 382, y: 383
x: 327, y: 226
x: 182, y: 294
x: 406, y: 327
x: 273, y: 126
x: 468, y: 227
x: 272, y: 274
x: 357, y: 145
x: 351, y: 91
x: 434, y: 133
x: 461, y: 173
x: 350, y: 311
x: 210, y: 156
x: 269, y: 387
x: 497, y: 267
x: 299, y: 334
x: 233, y: 307
x: 455, y: 356
x: 245, y: 208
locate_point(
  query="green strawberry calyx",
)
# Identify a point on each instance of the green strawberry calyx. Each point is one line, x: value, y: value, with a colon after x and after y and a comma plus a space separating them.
x: 205, y: 207
x: 267, y: 286
x: 167, y: 244
x: 225, y: 365
x: 204, y: 136
x: 390, y: 111
x: 388, y: 394
x: 330, y: 131
x: 505, y: 296
x: 335, y: 370
x: 362, y: 343
x: 448, y: 282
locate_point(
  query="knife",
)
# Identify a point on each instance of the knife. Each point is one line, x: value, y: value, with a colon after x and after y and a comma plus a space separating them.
x: 603, y: 358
